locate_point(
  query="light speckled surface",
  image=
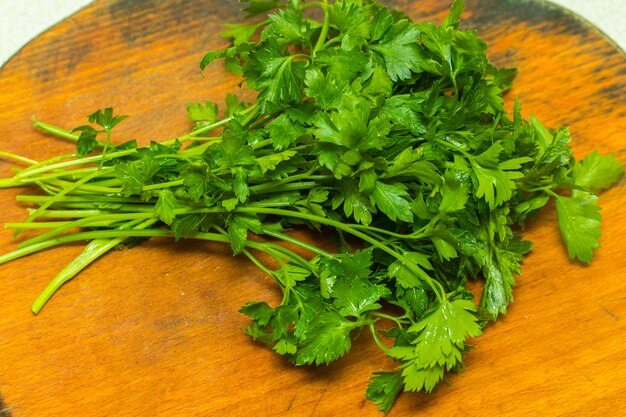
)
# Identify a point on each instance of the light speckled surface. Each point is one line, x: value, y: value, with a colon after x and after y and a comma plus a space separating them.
x: 21, y: 20
x: 608, y: 15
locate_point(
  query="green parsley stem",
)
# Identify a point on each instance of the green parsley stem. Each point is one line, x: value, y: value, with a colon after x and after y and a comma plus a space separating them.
x: 48, y: 162
x: 298, y: 242
x: 18, y: 158
x: 331, y: 42
x: 98, y: 219
x: 53, y: 187
x: 74, y: 237
x: 377, y: 340
x: 162, y: 185
x: 371, y: 229
x: 74, y: 162
x: 271, y: 185
x: 271, y: 250
x: 454, y: 147
x: 267, y: 248
x: 190, y: 136
x: 258, y: 263
x: 311, y: 5
x: 92, y: 251
x: 260, y: 121
x: 551, y: 193
x: 63, y: 133
x: 544, y: 188
x: 107, y: 183
x: 9, y: 183
x: 398, y: 320
x: 61, y: 193
x: 69, y: 214
x: 84, y: 222
x: 52, y: 225
x: 325, y: 26
x: 72, y: 174
x: 270, y: 188
x: 106, y: 146
x: 116, y: 233
x: 270, y: 204
x: 253, y: 113
x: 435, y: 286
x: 75, y: 209
x: 57, y: 131
x: 261, y: 144
x: 88, y: 188
x: 275, y: 251
x: 117, y: 217
x: 280, y: 253
x: 78, y: 199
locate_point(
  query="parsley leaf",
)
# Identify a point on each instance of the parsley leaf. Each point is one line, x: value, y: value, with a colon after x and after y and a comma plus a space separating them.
x: 439, y: 344
x: 391, y: 200
x: 165, y: 206
x: 289, y: 25
x: 399, y: 49
x: 327, y: 339
x: 597, y: 172
x: 105, y: 118
x: 579, y: 222
x: 257, y: 7
x: 87, y: 141
x: 198, y: 112
x: 494, y: 180
x: 281, y: 74
x: 383, y: 389
x: 238, y: 227
x: 353, y: 20
x: 283, y: 131
x: 499, y: 270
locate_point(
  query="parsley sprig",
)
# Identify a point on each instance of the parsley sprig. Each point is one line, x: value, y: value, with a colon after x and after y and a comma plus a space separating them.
x: 389, y: 135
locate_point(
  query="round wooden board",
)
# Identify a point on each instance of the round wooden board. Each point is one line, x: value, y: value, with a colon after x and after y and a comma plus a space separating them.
x: 154, y: 331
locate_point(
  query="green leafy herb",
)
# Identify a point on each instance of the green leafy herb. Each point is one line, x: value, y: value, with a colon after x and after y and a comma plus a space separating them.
x: 87, y: 141
x: 579, y: 222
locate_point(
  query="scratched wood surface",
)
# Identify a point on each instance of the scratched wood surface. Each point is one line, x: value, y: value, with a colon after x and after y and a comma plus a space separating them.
x: 154, y: 331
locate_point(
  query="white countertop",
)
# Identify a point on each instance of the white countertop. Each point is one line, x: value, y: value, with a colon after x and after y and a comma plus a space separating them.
x: 22, y: 20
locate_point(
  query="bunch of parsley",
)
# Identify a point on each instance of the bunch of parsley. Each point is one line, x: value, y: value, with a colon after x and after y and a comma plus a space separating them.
x: 366, y: 125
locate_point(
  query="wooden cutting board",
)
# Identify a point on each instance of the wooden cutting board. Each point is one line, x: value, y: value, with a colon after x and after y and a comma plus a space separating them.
x: 154, y: 331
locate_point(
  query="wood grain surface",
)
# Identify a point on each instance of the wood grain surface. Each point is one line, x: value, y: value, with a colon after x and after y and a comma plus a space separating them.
x: 154, y: 331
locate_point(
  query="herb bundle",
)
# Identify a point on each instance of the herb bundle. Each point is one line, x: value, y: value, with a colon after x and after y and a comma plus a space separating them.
x: 366, y: 126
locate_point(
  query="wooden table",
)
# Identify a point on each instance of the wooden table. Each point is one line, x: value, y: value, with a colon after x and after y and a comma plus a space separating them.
x: 154, y: 331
